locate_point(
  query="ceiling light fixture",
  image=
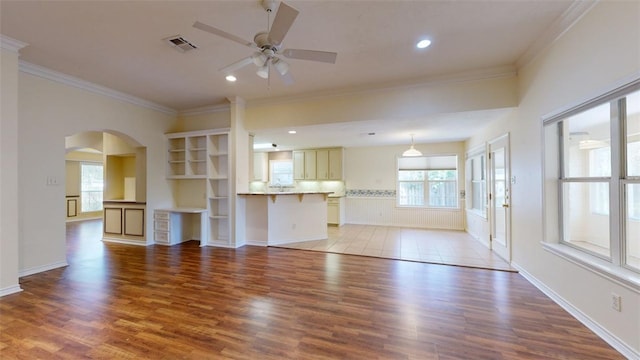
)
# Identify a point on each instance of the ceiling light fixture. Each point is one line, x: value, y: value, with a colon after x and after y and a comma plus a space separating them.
x: 411, y: 151
x: 281, y: 66
x: 263, y: 71
x: 231, y: 78
x: 292, y: 131
x: 423, y: 44
x: 259, y: 58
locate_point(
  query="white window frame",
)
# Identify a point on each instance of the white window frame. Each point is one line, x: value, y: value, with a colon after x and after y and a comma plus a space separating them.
x: 615, y: 266
x: 472, y: 157
x: 82, y: 191
x: 274, y: 179
x: 425, y: 203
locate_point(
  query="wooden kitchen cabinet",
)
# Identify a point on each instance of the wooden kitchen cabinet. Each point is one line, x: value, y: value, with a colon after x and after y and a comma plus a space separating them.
x: 318, y: 164
x: 304, y: 165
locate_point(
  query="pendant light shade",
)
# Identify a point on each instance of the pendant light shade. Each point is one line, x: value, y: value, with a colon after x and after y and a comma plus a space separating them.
x: 411, y: 151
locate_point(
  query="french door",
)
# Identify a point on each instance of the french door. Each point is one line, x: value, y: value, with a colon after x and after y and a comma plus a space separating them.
x: 499, y: 197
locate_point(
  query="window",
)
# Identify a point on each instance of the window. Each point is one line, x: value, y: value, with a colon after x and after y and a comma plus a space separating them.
x: 281, y: 172
x: 428, y: 181
x: 92, y: 184
x: 592, y: 153
x: 476, y: 183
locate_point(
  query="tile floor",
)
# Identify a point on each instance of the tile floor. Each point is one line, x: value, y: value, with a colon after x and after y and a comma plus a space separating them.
x: 423, y: 245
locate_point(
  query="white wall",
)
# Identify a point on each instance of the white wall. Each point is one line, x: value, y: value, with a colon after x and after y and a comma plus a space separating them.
x: 601, y: 50
x: 65, y: 110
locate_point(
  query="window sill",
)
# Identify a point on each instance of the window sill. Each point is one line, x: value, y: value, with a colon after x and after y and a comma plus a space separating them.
x: 477, y: 213
x: 617, y: 274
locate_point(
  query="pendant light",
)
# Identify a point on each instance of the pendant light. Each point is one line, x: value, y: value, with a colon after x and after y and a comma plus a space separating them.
x: 412, y: 151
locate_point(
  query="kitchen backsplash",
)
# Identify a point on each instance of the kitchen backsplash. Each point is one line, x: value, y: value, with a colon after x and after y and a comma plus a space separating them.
x: 338, y: 187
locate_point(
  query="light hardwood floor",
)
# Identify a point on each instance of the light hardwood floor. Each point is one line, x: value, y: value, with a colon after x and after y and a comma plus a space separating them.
x: 423, y: 245
x: 116, y: 301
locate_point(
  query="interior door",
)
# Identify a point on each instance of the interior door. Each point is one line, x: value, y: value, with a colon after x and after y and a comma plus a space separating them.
x: 499, y: 197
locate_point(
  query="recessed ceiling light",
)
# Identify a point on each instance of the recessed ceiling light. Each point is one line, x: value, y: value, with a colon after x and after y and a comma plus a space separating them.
x: 423, y: 44
x: 292, y: 131
x: 231, y: 78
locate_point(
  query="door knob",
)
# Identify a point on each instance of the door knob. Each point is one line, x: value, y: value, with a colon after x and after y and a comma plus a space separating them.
x: 505, y: 205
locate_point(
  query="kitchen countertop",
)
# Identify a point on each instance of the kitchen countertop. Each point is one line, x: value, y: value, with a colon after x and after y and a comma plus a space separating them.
x: 286, y: 193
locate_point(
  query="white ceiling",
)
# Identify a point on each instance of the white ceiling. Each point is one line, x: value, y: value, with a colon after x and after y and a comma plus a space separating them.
x: 118, y: 44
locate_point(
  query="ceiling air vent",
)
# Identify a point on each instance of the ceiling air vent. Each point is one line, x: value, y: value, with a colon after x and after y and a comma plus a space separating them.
x: 180, y: 44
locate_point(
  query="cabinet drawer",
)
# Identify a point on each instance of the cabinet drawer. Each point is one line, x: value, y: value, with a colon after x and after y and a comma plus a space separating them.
x: 162, y: 237
x: 161, y: 225
x: 161, y: 215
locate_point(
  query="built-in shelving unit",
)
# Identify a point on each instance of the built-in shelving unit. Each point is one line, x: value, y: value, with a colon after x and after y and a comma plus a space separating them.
x: 187, y: 156
x: 218, y: 188
x: 203, y: 155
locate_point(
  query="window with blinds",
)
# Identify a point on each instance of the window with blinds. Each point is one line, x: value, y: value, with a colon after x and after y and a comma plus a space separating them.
x: 428, y: 181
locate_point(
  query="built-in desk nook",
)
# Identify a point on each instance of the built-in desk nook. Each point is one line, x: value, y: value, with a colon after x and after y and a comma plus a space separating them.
x: 175, y: 225
x: 276, y: 218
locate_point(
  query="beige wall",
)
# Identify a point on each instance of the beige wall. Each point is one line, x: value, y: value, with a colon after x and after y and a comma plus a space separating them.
x: 388, y: 104
x: 362, y: 173
x: 9, y: 217
x: 42, y: 102
x: 597, y: 54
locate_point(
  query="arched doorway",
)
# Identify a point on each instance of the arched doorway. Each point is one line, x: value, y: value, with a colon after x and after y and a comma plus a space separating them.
x: 118, y: 197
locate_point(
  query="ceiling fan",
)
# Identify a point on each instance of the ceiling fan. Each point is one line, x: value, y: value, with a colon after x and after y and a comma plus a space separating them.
x: 267, y: 45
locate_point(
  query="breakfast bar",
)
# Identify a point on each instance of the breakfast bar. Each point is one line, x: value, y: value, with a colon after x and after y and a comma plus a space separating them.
x: 277, y: 218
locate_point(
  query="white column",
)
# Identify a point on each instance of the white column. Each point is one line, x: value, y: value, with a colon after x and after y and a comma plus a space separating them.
x: 239, y: 158
x: 9, y: 239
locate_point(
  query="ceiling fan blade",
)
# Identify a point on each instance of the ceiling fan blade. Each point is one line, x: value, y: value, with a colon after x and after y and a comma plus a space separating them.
x: 237, y: 65
x: 221, y: 33
x: 285, y: 17
x: 313, y: 55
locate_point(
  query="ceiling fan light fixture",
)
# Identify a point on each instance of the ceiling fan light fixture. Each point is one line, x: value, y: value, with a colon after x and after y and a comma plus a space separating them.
x: 259, y: 58
x: 412, y: 151
x: 281, y: 66
x: 263, y: 71
x: 230, y: 78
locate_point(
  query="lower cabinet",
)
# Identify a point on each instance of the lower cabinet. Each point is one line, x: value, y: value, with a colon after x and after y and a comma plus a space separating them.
x: 123, y: 221
x: 161, y: 227
x: 335, y: 211
x: 176, y: 225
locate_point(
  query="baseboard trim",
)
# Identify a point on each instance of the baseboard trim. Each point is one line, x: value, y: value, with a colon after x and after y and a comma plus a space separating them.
x: 602, y: 332
x: 10, y: 290
x: 125, y: 241
x: 39, y: 269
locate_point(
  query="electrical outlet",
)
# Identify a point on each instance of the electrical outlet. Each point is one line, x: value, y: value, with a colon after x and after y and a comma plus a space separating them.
x: 616, y: 302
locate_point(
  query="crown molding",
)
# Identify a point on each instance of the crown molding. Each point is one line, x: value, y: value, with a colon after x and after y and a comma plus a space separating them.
x: 11, y: 44
x: 204, y: 110
x: 69, y: 80
x: 552, y: 33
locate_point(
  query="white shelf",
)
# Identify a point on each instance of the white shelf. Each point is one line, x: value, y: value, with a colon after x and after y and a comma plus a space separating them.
x: 206, y: 155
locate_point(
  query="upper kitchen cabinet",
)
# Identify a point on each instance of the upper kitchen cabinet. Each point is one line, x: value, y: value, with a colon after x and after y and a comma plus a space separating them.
x: 329, y: 164
x: 318, y: 164
x: 260, y: 167
x: 304, y: 165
